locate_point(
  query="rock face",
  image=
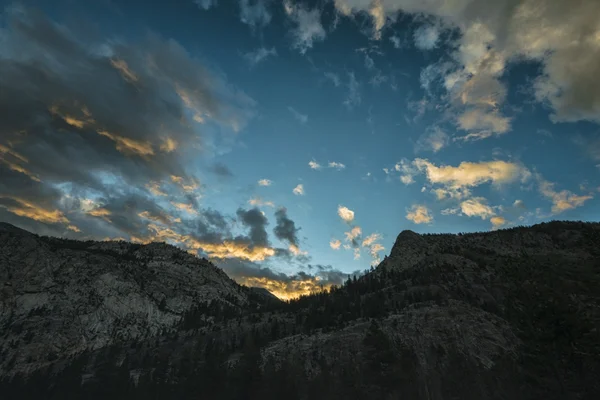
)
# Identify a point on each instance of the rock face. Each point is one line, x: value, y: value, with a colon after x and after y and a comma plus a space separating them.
x: 510, y: 314
x: 62, y: 297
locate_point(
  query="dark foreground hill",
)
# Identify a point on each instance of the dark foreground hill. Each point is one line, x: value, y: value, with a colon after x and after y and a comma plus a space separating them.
x: 511, y: 314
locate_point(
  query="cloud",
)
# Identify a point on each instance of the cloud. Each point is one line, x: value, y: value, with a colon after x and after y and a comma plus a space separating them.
x: 374, y: 248
x: 433, y: 139
x: 257, y: 201
x: 265, y: 182
x: 469, y: 174
x: 259, y: 55
x: 353, y: 236
x: 221, y: 170
x: 476, y: 207
x: 561, y: 37
x: 331, y: 164
x: 206, y: 4
x: 109, y: 119
x: 519, y: 204
x: 497, y: 222
x: 314, y: 165
x: 353, y: 97
x: 25, y: 208
x: 285, y: 228
x: 300, y: 117
x: 255, y: 12
x: 335, y: 244
x: 419, y: 214
x: 563, y: 200
x: 336, y: 165
x: 299, y: 190
x: 426, y: 37
x: 334, y: 78
x: 345, y: 213
x: 308, y: 28
x: 256, y: 221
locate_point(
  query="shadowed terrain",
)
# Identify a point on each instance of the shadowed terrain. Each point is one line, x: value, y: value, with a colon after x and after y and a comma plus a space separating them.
x: 508, y: 314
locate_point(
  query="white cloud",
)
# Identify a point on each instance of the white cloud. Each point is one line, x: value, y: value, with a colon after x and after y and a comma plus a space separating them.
x: 255, y: 12
x: 335, y: 244
x: 314, y: 165
x: 256, y: 56
x: 300, y: 117
x: 206, y: 4
x: 419, y: 214
x: 337, y: 165
x: 407, y: 171
x: 562, y: 36
x: 308, y: 27
x: 353, y: 97
x: 519, y: 204
x: 426, y: 37
x: 257, y: 201
x: 353, y: 234
x: 477, y: 207
x: 299, y: 190
x: 434, y: 139
x: 334, y: 78
x: 265, y: 182
x: 345, y: 213
x: 371, y: 239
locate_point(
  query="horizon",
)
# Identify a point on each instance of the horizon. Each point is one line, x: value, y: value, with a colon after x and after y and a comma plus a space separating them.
x: 293, y: 141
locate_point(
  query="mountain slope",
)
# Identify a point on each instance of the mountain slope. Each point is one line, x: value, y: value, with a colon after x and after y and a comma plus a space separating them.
x: 59, y: 297
x: 510, y: 314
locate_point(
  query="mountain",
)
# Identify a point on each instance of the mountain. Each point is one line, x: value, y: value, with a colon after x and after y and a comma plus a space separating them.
x: 508, y: 314
x: 60, y: 297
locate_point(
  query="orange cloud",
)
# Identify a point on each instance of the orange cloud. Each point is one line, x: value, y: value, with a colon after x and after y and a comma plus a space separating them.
x: 286, y: 290
x: 186, y: 186
x: 563, y: 200
x: 185, y: 207
x: 127, y: 145
x: 123, y: 68
x: 419, y: 214
x: 154, y: 188
x: 29, y: 210
x: 226, y: 249
x: 335, y: 244
x: 169, y: 145
x: 75, y: 121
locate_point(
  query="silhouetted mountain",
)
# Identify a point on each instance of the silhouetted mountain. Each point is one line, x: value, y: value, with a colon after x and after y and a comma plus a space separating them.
x: 509, y: 314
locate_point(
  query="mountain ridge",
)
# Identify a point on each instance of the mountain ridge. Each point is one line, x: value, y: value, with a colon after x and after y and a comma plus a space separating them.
x: 509, y: 314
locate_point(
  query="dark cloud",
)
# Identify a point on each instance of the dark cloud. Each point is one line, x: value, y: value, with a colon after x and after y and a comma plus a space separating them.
x: 221, y: 170
x: 245, y: 271
x: 285, y: 228
x: 256, y: 221
x: 84, y: 117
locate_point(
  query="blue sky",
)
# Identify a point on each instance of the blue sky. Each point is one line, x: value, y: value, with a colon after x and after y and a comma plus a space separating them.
x: 292, y: 141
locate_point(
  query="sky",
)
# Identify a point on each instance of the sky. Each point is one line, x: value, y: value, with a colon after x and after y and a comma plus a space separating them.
x: 291, y: 141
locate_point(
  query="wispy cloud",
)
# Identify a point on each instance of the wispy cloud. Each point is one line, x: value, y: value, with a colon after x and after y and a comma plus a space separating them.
x: 265, y: 182
x: 314, y: 165
x: 299, y: 116
x: 353, y: 97
x: 337, y: 165
x: 308, y: 28
x: 259, y: 55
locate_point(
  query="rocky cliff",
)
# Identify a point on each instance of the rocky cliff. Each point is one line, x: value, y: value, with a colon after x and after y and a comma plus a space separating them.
x: 61, y: 297
x: 510, y: 314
